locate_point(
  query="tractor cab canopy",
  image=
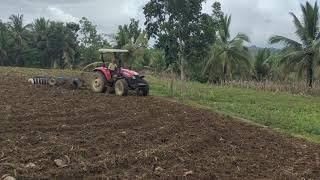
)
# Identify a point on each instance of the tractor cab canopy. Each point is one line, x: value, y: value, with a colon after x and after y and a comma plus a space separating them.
x: 114, y: 52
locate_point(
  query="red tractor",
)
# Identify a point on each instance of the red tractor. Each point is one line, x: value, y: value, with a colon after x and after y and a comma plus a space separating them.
x: 118, y: 81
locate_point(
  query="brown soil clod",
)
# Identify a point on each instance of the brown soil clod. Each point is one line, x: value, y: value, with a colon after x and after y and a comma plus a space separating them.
x: 60, y: 163
x: 188, y: 173
x: 30, y: 165
x: 7, y: 177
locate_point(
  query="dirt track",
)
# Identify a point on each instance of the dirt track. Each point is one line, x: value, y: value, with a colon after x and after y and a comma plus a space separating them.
x: 101, y: 136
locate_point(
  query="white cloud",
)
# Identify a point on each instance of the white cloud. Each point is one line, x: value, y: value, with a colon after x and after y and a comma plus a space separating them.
x: 259, y: 19
x: 59, y: 15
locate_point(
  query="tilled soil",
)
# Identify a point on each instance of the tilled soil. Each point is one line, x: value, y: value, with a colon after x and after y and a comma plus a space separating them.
x: 103, y: 136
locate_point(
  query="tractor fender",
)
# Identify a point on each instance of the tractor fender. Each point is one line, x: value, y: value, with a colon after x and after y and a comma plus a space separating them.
x: 105, y: 72
x: 121, y: 78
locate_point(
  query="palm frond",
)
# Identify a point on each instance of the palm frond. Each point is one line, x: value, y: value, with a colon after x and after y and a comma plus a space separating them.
x: 293, y: 58
x: 262, y: 56
x: 300, y: 29
x: 301, y: 67
x: 243, y: 37
x: 239, y: 39
x: 238, y: 60
x: 40, y: 25
x: 241, y: 56
x: 209, y: 65
x: 316, y: 45
x: 224, y: 31
x: 286, y: 41
x: 213, y: 61
x: 311, y: 19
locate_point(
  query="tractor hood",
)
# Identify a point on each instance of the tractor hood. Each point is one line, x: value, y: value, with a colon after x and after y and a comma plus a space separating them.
x: 128, y: 73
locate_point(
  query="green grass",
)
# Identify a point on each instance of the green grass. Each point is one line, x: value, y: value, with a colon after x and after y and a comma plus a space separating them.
x: 294, y: 114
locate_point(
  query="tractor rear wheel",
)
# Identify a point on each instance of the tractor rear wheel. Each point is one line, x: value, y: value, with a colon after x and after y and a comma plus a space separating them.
x: 121, y: 87
x: 98, y: 84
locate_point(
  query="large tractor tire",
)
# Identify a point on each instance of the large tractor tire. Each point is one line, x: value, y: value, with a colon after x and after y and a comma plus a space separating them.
x: 98, y: 84
x: 143, y: 91
x: 121, y: 87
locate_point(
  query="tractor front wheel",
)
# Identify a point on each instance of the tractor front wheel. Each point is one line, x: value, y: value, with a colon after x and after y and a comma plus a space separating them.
x: 143, y: 91
x: 98, y: 84
x: 121, y: 87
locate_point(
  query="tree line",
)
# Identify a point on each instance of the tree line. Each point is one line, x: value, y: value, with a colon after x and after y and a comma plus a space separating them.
x: 196, y: 45
x: 198, y: 42
x: 51, y: 44
x: 48, y: 44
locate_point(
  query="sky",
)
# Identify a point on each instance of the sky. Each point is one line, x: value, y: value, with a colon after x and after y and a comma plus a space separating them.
x: 259, y: 19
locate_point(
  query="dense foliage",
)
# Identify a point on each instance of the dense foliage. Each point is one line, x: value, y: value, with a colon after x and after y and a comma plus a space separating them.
x: 187, y: 42
x: 229, y: 57
x: 303, y: 56
x: 41, y: 44
x: 181, y: 30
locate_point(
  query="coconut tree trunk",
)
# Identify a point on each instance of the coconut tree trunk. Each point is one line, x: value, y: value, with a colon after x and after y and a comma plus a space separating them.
x: 224, y: 73
x: 310, y: 73
x: 2, y: 57
x: 182, y: 73
x: 181, y: 56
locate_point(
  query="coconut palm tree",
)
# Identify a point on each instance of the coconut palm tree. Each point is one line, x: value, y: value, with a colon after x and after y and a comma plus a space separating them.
x: 133, y: 39
x: 69, y: 49
x: 228, y: 55
x: 261, y: 64
x: 20, y: 35
x: 62, y: 45
x: 136, y: 49
x: 122, y: 38
x: 302, y: 56
x: 4, y: 44
x: 40, y: 28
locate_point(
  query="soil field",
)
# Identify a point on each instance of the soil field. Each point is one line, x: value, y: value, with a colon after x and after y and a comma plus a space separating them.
x: 56, y: 133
